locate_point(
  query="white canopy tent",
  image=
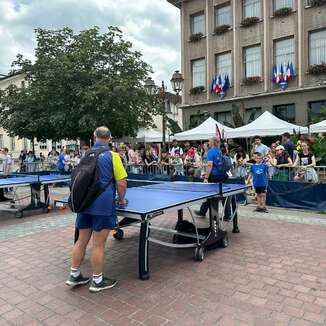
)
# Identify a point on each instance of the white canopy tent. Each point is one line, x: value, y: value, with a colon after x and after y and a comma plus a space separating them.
x: 204, y: 131
x: 318, y: 127
x: 149, y: 135
x: 265, y: 125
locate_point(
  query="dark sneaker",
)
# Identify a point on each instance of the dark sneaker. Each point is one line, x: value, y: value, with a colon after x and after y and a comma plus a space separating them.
x: 257, y: 209
x: 105, y: 284
x: 79, y: 280
x: 264, y: 210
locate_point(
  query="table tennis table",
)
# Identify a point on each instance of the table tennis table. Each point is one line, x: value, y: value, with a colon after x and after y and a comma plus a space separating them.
x: 149, y: 199
x: 37, y: 183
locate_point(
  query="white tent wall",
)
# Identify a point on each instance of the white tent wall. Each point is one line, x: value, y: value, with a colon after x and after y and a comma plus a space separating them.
x: 204, y: 131
x: 318, y: 127
x: 265, y: 125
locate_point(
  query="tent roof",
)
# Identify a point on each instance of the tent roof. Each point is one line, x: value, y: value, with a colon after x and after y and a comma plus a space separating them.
x: 149, y: 135
x: 318, y: 127
x: 205, y: 130
x: 265, y: 125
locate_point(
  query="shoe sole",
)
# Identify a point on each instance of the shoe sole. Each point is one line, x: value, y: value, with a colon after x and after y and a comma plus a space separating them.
x: 70, y: 283
x: 95, y: 290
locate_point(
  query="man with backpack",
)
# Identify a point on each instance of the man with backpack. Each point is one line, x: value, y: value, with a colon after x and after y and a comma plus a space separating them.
x: 218, y: 164
x: 96, y: 210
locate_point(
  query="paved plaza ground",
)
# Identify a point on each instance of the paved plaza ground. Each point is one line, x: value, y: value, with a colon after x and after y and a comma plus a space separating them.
x: 273, y: 273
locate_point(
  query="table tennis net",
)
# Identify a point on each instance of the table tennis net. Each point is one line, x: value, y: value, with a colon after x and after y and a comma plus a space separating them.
x: 176, y: 186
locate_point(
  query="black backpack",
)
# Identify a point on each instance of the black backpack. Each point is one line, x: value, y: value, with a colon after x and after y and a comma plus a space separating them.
x: 85, y: 185
x: 224, y: 164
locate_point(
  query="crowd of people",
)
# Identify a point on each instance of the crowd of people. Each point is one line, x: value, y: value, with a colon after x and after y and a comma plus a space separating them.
x: 285, y: 160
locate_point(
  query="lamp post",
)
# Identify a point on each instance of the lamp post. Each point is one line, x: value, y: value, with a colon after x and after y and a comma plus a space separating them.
x: 161, y: 95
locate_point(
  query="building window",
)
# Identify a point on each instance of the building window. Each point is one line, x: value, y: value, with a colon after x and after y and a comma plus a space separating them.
x: 43, y: 146
x: 196, y: 120
x: 12, y: 143
x: 197, y: 23
x: 1, y: 141
x: 317, y: 111
x: 252, y: 114
x: 284, y: 52
x: 279, y: 4
x: 223, y: 15
x: 285, y: 112
x: 224, y: 118
x: 252, y: 61
x: 317, y: 47
x: 251, y: 8
x: 224, y: 65
x: 198, y: 68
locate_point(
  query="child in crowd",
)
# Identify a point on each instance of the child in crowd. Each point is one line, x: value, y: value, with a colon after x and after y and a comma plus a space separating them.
x: 258, y: 172
x: 178, y: 164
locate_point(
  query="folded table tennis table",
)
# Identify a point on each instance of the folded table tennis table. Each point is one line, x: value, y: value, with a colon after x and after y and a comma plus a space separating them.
x: 36, y: 183
x: 149, y: 199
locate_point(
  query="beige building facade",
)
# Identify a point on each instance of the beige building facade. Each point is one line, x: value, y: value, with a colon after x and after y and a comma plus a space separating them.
x: 244, y: 39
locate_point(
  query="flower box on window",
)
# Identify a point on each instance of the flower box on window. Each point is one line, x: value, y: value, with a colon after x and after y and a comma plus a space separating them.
x: 283, y: 12
x: 221, y: 29
x: 316, y: 3
x: 197, y: 90
x: 250, y: 21
x: 196, y: 37
x: 251, y: 80
x: 317, y: 69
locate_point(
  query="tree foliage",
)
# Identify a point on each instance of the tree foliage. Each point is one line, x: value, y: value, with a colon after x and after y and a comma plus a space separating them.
x: 78, y: 82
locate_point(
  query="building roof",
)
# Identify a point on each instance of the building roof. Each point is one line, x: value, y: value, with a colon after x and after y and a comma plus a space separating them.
x: 176, y: 3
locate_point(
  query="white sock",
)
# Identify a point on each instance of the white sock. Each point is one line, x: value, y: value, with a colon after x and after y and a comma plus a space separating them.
x: 75, y: 272
x: 98, y: 278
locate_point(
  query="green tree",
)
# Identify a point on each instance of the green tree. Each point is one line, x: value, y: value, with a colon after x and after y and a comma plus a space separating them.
x: 78, y: 82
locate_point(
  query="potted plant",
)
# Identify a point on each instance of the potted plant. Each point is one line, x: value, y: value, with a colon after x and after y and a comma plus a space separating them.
x: 283, y: 12
x: 196, y: 37
x: 250, y: 21
x: 251, y: 80
x: 197, y: 90
x: 317, y: 69
x: 221, y: 29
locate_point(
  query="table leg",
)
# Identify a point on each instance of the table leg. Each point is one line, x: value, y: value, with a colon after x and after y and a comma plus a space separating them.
x: 235, y: 220
x: 180, y: 215
x: 143, y: 251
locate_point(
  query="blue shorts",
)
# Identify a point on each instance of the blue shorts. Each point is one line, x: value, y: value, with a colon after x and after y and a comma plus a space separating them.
x: 95, y: 222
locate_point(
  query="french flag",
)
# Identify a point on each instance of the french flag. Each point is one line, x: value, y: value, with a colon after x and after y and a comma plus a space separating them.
x: 281, y: 76
x: 219, y: 86
x: 213, y: 85
x: 218, y: 134
x: 288, y: 73
x: 274, y: 74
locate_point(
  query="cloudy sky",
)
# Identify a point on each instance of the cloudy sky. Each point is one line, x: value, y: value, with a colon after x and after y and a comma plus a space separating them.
x: 151, y: 25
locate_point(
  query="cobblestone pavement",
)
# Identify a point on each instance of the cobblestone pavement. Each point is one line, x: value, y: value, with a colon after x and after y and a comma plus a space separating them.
x: 273, y: 273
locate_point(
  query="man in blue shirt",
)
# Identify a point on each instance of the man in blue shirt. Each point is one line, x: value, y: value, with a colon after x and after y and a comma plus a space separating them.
x: 214, y: 175
x: 100, y: 217
x: 258, y: 172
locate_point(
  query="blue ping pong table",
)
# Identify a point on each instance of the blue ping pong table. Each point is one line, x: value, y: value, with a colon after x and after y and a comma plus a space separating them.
x: 36, y: 183
x: 146, y: 200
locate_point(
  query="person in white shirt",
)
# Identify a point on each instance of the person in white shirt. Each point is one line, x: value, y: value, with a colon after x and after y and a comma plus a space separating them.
x: 7, y: 161
x: 7, y: 165
x: 175, y: 148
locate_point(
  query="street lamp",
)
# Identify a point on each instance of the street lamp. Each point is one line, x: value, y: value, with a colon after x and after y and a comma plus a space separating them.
x: 160, y: 92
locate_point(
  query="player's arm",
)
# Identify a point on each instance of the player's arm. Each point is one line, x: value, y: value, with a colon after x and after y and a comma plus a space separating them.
x: 120, y: 176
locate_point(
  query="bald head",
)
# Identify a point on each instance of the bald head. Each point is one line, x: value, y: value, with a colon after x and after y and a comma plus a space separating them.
x: 214, y: 142
x: 102, y: 135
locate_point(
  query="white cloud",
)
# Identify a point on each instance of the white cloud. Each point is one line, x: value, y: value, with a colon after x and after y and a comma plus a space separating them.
x: 151, y: 25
